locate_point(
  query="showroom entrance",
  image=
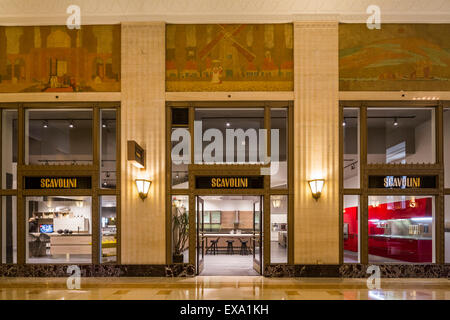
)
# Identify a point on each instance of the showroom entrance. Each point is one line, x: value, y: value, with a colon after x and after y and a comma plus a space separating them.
x: 229, y: 235
x: 228, y: 197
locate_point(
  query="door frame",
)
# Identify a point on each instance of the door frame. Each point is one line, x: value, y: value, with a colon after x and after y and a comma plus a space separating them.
x: 200, y: 227
x: 230, y: 169
x: 257, y: 264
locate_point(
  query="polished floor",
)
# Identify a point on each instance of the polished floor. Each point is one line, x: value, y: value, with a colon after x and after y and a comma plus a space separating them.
x: 223, y: 288
x: 228, y: 265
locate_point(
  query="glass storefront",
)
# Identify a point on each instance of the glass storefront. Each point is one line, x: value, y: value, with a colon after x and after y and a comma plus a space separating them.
x: 351, y: 234
x: 58, y: 137
x: 401, y: 136
x: 225, y: 137
x: 180, y: 229
x: 279, y: 121
x: 9, y: 229
x: 279, y: 229
x: 180, y: 132
x: 108, y: 164
x: 108, y: 229
x: 447, y: 228
x: 59, y: 229
x: 400, y: 168
x: 9, y: 149
x: 446, y: 130
x: 401, y: 229
x: 350, y: 130
x: 60, y: 200
x: 226, y: 125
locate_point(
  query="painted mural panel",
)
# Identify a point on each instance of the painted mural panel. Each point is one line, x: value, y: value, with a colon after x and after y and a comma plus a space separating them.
x: 229, y: 57
x: 57, y: 59
x: 413, y: 57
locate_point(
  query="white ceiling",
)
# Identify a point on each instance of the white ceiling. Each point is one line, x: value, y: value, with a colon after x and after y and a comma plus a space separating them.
x: 53, y: 12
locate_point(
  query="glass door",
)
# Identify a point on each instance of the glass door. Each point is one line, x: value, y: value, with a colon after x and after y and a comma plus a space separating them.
x: 257, y: 235
x: 200, y: 243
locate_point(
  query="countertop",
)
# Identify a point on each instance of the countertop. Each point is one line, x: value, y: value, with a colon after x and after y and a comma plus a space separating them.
x: 56, y: 234
x: 410, y: 237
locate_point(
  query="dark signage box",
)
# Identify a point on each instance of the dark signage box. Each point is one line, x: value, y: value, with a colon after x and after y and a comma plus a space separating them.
x: 403, y: 182
x: 229, y: 182
x: 51, y: 183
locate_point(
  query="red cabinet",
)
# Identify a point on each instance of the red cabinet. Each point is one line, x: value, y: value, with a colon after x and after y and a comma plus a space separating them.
x: 409, y: 248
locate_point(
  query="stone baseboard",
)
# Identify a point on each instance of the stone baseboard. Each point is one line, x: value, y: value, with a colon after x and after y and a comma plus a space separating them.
x: 106, y: 270
x: 359, y: 271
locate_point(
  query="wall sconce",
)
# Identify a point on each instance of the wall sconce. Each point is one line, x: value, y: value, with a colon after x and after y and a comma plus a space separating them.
x: 316, y: 186
x: 276, y: 203
x: 143, y: 186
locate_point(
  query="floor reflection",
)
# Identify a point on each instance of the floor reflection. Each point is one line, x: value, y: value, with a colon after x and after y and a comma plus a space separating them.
x: 223, y: 288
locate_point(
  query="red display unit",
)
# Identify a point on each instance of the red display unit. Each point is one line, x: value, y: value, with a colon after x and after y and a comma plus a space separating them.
x: 416, y: 248
x: 351, y: 221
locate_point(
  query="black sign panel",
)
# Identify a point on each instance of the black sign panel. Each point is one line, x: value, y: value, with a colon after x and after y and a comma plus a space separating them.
x: 51, y: 183
x: 229, y: 182
x: 403, y: 182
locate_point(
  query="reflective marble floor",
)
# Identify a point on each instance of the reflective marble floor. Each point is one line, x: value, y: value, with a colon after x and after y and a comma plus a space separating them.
x: 223, y: 288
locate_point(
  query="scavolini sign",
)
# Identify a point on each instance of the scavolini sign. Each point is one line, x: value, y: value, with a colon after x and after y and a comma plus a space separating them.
x: 229, y: 182
x: 45, y: 183
x: 403, y: 182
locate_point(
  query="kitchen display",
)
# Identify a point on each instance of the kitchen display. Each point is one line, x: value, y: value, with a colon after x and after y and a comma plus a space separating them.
x: 59, y: 229
x: 400, y: 229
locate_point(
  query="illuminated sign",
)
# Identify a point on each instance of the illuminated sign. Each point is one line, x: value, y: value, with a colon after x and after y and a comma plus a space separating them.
x: 230, y: 182
x: 403, y: 182
x: 44, y: 183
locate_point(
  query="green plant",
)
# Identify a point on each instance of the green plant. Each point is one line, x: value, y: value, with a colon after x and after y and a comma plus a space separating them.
x: 180, y: 230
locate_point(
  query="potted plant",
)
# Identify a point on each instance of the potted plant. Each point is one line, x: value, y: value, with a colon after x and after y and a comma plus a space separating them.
x: 180, y: 231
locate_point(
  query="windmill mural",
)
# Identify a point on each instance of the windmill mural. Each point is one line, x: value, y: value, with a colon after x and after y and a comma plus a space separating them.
x: 229, y: 57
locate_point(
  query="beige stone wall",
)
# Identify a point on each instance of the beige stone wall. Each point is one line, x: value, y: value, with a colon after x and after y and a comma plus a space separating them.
x: 143, y: 239
x: 316, y: 149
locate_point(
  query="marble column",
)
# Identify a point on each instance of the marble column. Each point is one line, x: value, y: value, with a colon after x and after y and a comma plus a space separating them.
x: 316, y: 142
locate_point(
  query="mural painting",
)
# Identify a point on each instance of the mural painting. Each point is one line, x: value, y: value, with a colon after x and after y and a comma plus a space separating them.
x: 229, y: 57
x: 57, y: 59
x: 414, y: 57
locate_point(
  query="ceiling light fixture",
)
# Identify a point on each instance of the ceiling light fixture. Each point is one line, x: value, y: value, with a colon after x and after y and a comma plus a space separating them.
x: 228, y: 124
x: 395, y: 122
x: 45, y: 124
x: 344, y: 123
x: 71, y: 125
